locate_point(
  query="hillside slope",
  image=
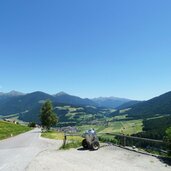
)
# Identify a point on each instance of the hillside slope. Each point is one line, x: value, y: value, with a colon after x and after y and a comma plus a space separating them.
x: 68, y: 113
x: 18, y: 104
x: 128, y: 104
x: 65, y: 98
x: 157, y: 105
x: 155, y: 128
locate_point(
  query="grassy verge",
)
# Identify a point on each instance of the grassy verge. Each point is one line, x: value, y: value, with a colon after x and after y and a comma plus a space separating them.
x: 72, y: 141
x: 9, y: 129
x: 71, y: 144
x: 53, y: 135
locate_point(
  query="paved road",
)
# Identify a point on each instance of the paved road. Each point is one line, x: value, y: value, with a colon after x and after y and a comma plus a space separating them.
x: 107, y: 158
x: 17, y: 152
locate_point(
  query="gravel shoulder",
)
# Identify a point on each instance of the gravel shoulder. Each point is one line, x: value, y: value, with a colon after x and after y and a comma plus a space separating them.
x: 107, y: 158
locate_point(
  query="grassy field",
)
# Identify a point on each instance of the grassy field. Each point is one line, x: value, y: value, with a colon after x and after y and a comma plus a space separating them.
x: 117, y: 127
x: 125, y: 127
x: 9, y: 129
x: 97, y: 128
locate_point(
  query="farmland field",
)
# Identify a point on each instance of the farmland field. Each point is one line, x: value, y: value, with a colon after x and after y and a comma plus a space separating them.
x: 125, y: 127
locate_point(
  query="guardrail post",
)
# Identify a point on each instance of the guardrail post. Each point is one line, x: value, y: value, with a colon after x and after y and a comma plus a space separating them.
x: 65, y: 138
x: 124, y: 141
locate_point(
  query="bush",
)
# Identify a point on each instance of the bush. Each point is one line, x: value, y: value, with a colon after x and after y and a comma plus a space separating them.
x: 108, y: 139
x: 32, y: 124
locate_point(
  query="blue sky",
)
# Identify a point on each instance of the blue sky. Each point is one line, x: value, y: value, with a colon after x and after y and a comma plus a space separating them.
x: 88, y: 48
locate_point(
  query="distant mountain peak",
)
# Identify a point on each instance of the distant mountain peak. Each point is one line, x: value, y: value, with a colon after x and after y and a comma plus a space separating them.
x: 12, y: 93
x: 61, y: 93
x: 15, y: 93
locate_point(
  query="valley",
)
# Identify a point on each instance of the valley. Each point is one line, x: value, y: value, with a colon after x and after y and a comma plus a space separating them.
x: 76, y: 115
x: 128, y: 117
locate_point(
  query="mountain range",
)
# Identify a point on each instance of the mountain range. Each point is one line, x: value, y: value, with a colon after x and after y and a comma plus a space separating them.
x: 73, y: 110
x: 28, y: 105
x: 17, y: 102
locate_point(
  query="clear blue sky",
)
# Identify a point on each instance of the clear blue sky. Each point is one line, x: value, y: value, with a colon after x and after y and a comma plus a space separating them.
x: 88, y: 48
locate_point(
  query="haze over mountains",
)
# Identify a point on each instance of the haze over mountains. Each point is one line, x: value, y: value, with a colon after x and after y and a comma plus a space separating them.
x: 111, y: 102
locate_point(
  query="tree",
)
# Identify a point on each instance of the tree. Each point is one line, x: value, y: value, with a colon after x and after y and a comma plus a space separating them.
x: 168, y: 139
x: 47, y: 117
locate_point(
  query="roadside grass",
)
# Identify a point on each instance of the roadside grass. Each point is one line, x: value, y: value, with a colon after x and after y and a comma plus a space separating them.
x: 53, y: 135
x: 8, y: 129
x: 71, y: 144
x: 72, y: 141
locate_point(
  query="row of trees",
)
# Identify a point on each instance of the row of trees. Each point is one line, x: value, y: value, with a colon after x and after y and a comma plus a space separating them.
x: 168, y: 139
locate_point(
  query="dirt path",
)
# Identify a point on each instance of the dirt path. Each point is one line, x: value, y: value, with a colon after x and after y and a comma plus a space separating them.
x: 109, y: 158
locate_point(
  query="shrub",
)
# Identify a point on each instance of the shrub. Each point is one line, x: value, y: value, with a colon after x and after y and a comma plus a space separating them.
x: 32, y: 124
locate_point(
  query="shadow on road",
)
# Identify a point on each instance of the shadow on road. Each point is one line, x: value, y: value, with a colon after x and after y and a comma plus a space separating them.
x: 165, y: 160
x: 82, y: 149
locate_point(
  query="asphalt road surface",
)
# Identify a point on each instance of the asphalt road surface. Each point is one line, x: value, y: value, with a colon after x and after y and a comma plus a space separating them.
x: 17, y: 152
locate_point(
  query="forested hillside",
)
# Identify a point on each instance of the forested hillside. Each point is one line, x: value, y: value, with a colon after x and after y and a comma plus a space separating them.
x: 155, y: 128
x: 159, y: 105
